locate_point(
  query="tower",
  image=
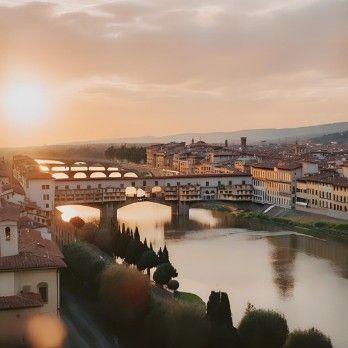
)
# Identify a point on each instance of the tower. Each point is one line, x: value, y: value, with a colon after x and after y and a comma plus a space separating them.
x: 243, y: 143
x: 8, y: 237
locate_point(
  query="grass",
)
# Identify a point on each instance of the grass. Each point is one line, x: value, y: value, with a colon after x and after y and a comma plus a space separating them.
x: 188, y: 297
x: 314, y: 227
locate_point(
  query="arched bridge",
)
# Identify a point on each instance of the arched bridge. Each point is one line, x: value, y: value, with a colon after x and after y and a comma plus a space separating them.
x: 109, y: 194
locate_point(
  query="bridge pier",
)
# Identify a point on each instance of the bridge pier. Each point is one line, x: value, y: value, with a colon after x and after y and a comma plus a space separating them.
x: 181, y: 209
x: 108, y: 213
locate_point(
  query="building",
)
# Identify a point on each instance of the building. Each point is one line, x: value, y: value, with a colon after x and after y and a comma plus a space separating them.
x: 29, y: 273
x: 324, y: 194
x: 161, y: 155
x: 37, y: 185
x: 217, y: 157
x: 275, y: 183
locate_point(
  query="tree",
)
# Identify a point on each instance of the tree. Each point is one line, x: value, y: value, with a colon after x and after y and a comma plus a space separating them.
x: 164, y: 273
x: 219, y: 314
x: 311, y: 338
x: 213, y: 307
x: 263, y: 329
x: 85, y: 263
x: 125, y: 295
x: 165, y: 254
x: 148, y: 260
x: 173, y: 285
x: 77, y: 222
x: 225, y: 311
x: 173, y: 324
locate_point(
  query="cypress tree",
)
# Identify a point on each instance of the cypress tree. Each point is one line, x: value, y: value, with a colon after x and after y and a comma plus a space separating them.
x: 225, y: 311
x: 165, y: 254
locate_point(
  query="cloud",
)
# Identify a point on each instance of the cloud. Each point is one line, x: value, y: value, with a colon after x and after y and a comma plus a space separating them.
x: 227, y: 56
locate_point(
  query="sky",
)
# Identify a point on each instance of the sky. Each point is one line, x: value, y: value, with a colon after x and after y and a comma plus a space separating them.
x: 73, y: 70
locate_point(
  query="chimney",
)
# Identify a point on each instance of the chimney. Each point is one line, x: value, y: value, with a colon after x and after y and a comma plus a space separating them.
x: 226, y: 143
x: 192, y: 141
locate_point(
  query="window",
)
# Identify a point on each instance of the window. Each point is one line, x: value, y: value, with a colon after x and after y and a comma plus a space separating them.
x: 8, y: 233
x: 144, y: 183
x: 78, y: 187
x: 243, y: 182
x: 43, y: 291
x: 47, y: 205
x: 156, y: 183
x: 207, y: 183
x: 133, y: 183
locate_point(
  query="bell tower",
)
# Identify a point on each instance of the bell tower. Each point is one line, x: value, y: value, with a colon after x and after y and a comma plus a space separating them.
x: 8, y: 237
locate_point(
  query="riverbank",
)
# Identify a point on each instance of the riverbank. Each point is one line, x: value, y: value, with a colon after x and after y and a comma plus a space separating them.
x: 306, y: 223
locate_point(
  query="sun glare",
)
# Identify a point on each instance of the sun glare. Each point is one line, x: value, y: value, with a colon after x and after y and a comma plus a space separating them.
x: 25, y: 101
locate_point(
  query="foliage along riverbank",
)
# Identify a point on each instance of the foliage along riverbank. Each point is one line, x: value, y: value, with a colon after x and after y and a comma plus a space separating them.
x: 318, y: 227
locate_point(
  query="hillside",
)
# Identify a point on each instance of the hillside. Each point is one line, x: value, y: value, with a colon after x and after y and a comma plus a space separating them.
x: 254, y: 135
x: 341, y: 138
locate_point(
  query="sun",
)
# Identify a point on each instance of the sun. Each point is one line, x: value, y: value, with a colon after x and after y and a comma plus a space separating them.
x: 25, y: 101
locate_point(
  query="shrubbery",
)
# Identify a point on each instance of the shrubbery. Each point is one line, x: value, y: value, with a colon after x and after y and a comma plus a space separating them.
x: 311, y: 338
x: 125, y: 295
x: 85, y: 263
x: 263, y: 329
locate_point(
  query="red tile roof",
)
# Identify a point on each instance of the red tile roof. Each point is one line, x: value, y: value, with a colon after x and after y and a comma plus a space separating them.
x: 10, y: 213
x: 33, y: 252
x: 24, y: 300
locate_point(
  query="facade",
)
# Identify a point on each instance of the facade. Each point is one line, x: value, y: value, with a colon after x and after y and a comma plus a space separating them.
x: 275, y: 184
x: 323, y: 194
x: 38, y: 186
x: 98, y: 191
x: 29, y: 273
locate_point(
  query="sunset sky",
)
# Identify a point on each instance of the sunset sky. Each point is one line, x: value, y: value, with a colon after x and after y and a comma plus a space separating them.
x: 88, y: 69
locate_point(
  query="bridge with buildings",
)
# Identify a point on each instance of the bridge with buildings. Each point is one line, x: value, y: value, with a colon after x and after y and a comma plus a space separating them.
x: 178, y: 192
x: 73, y: 168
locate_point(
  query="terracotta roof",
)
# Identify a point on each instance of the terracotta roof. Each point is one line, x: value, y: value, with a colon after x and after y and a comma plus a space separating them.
x: 24, y: 300
x: 38, y: 175
x: 26, y: 222
x: 15, y: 186
x: 10, y: 213
x: 327, y: 178
x: 33, y: 252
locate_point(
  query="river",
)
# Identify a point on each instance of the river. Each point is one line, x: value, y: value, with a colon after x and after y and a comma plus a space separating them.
x: 304, y: 278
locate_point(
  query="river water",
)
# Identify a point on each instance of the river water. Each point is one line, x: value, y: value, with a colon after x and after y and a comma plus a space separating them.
x: 304, y: 278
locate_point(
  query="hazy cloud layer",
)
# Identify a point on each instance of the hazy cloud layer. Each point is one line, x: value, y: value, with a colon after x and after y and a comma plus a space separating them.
x: 124, y: 68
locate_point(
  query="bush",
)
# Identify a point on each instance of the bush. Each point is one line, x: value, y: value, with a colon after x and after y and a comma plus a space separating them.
x: 176, y: 324
x: 311, y: 338
x: 85, y: 264
x: 173, y: 285
x: 263, y: 329
x: 125, y: 296
x: 164, y: 273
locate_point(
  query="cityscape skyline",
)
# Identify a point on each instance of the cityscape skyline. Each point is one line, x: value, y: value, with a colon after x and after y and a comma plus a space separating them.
x: 129, y: 69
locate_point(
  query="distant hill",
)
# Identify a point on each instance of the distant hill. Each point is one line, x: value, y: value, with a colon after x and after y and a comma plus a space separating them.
x: 340, y: 138
x: 254, y: 135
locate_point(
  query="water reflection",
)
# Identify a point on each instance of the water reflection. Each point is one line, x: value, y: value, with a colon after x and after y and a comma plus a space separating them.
x: 283, y: 257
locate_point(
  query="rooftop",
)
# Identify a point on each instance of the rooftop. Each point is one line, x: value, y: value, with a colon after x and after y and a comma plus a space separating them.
x: 326, y: 178
x: 33, y: 252
x: 24, y: 300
